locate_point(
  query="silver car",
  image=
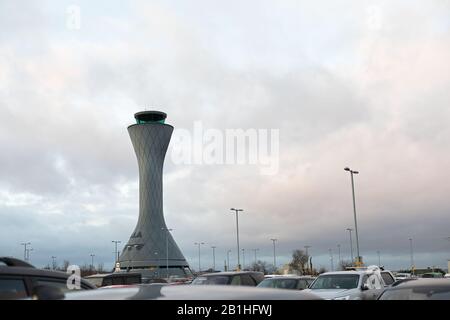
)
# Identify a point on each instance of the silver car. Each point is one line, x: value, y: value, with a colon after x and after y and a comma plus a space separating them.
x: 362, y: 284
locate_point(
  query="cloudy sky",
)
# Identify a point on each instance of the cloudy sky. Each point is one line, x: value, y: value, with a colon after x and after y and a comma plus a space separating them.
x: 363, y: 84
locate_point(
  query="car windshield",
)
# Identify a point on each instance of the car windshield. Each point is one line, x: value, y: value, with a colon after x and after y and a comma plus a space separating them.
x: 336, y: 281
x: 279, y: 283
x: 212, y: 280
x: 427, y: 293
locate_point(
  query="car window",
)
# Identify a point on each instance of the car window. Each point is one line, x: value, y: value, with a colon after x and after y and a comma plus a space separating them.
x: 247, y: 280
x: 12, y: 289
x: 387, y: 278
x: 211, y: 280
x: 302, y: 284
x: 236, y: 281
x: 364, y: 280
x: 336, y: 281
x: 60, y: 284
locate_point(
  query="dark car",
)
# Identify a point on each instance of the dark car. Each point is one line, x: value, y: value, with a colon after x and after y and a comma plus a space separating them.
x: 418, y: 289
x: 167, y: 292
x: 234, y: 278
x: 287, y: 282
x: 432, y: 275
x: 114, y: 279
x: 19, y: 279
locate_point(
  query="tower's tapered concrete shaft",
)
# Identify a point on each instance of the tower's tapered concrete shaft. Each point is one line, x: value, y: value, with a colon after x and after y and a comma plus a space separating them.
x: 151, y: 245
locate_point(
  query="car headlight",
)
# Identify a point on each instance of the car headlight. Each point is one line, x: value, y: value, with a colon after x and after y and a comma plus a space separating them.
x: 342, y: 298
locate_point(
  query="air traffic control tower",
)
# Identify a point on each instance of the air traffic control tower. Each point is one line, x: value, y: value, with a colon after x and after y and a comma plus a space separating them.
x: 151, y: 246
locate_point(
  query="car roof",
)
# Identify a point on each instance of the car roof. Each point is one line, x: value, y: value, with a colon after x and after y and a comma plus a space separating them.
x: 344, y: 272
x: 422, y: 282
x: 165, y: 292
x: 229, y: 273
x: 114, y: 274
x: 32, y: 272
x: 289, y: 277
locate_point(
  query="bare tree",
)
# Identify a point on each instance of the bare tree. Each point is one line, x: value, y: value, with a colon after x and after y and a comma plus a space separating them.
x: 299, y: 261
x: 321, y: 270
x: 344, y: 265
x: 100, y: 268
x: 261, y: 266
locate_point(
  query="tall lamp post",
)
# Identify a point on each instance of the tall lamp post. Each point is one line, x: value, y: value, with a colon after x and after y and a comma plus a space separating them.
x: 92, y: 261
x: 274, y: 255
x: 214, y: 257
x: 412, y: 255
x: 339, y: 256
x: 28, y: 253
x: 351, y: 243
x: 25, y: 250
x: 116, y: 254
x: 199, y: 244
x: 331, y: 259
x: 237, y: 235
x: 358, y: 257
x: 255, y: 250
x: 167, y: 250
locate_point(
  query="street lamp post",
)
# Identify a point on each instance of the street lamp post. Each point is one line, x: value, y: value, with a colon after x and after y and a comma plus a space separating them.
x: 351, y: 243
x: 255, y: 250
x: 92, y: 261
x: 339, y: 255
x: 199, y: 244
x: 214, y: 257
x: 116, y: 253
x: 228, y: 260
x: 274, y: 255
x: 237, y: 235
x: 358, y: 257
x: 28, y: 253
x: 167, y: 250
x: 412, y: 255
x: 25, y: 250
x: 331, y: 259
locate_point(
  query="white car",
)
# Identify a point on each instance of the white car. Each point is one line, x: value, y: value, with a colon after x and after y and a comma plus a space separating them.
x: 362, y: 284
x: 401, y: 276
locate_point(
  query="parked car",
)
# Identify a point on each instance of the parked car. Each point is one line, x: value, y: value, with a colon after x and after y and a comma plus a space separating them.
x: 432, y: 275
x: 232, y: 278
x: 19, y: 279
x: 212, y: 292
x: 418, y: 289
x: 401, y: 276
x: 114, y: 279
x: 287, y: 282
x: 361, y: 284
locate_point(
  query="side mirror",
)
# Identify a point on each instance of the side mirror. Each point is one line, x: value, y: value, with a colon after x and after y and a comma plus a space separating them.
x: 364, y: 287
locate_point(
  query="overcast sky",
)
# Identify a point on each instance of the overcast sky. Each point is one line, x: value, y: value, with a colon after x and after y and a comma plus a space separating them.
x: 363, y: 84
